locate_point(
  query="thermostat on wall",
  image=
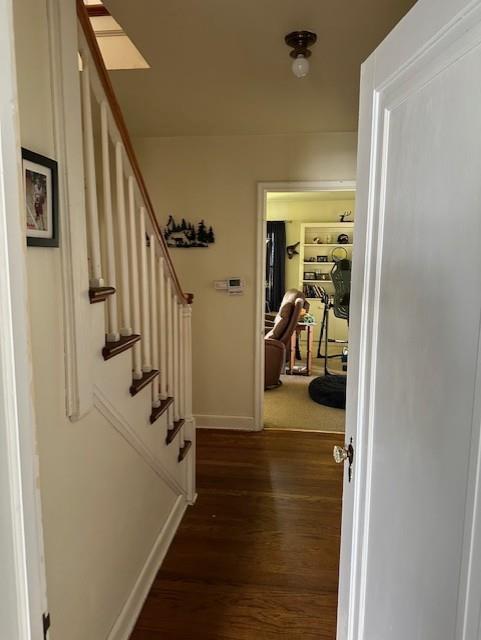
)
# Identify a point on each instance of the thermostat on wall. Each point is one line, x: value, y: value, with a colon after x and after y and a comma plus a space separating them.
x: 233, y: 286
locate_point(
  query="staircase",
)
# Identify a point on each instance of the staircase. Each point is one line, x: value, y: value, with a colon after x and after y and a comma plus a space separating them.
x: 140, y: 315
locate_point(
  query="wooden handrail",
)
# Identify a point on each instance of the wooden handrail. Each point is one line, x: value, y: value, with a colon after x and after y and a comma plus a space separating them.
x: 84, y: 20
x: 97, y: 11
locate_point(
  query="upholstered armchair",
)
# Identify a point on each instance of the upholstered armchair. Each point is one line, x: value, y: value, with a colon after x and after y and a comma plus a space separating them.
x: 278, y: 336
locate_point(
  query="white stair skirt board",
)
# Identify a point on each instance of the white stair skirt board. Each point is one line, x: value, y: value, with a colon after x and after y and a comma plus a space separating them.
x: 125, y: 623
x: 119, y: 423
x: 243, y: 423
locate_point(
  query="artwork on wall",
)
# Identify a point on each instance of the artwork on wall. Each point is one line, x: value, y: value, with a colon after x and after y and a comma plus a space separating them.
x: 186, y: 235
x: 40, y: 184
x: 292, y: 250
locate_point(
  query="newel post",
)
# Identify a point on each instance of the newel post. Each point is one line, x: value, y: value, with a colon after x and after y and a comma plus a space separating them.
x: 187, y: 382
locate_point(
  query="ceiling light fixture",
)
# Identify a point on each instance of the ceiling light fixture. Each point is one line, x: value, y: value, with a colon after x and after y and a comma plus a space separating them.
x: 300, y: 41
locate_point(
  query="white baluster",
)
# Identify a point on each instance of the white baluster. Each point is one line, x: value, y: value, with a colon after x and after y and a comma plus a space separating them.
x: 187, y: 311
x: 144, y: 293
x: 126, y: 327
x: 162, y: 330
x: 134, y: 279
x: 154, y: 321
x: 175, y: 335
x: 178, y: 371
x: 181, y: 361
x: 96, y: 279
x: 170, y: 352
x: 113, y: 322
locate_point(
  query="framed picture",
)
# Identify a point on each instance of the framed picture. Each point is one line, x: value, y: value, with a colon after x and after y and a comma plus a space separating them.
x: 321, y: 258
x: 309, y: 275
x: 40, y: 181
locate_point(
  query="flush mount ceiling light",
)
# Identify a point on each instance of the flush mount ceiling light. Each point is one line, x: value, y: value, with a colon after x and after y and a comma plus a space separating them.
x: 300, y: 41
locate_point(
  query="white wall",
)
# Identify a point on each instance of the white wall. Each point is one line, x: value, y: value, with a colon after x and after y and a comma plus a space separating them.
x: 216, y: 178
x: 103, y: 507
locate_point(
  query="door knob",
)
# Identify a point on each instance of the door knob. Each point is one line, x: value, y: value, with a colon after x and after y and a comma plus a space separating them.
x: 341, y: 454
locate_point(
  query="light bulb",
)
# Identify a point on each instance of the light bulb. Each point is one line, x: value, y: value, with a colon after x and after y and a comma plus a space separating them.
x: 300, y: 67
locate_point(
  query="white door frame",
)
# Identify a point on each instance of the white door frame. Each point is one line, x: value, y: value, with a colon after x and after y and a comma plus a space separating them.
x: 263, y: 188
x: 22, y: 583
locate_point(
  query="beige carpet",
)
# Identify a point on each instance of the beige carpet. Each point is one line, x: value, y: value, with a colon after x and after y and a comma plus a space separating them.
x: 290, y: 407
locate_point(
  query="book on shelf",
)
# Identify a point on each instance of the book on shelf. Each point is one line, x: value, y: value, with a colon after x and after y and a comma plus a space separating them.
x: 313, y: 291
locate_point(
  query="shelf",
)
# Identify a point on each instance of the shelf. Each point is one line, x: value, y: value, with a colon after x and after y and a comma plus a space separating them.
x: 317, y: 281
x: 335, y: 244
x: 318, y: 263
x: 329, y: 225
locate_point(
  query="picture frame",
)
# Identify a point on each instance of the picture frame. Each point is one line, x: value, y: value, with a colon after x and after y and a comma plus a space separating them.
x: 309, y: 275
x: 40, y: 186
x: 322, y: 258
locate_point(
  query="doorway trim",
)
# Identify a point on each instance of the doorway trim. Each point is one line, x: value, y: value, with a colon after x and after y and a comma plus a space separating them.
x: 263, y: 188
x: 23, y: 600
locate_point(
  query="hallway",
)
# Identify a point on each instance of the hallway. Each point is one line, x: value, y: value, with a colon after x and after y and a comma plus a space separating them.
x: 257, y: 556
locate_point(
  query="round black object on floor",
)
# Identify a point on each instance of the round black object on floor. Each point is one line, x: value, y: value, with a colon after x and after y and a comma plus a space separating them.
x: 329, y: 390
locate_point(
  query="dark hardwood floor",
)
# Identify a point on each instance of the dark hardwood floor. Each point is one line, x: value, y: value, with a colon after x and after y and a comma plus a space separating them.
x: 257, y: 557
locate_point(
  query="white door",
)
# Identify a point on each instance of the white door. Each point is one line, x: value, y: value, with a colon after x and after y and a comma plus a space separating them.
x: 411, y: 541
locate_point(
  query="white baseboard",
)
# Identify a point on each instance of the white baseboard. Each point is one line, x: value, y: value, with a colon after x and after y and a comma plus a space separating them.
x: 125, y: 623
x: 243, y: 423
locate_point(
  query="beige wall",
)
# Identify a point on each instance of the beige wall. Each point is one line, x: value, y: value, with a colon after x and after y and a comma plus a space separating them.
x: 216, y: 178
x: 102, y: 506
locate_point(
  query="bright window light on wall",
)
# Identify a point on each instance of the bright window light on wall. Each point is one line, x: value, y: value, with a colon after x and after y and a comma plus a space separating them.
x: 117, y: 49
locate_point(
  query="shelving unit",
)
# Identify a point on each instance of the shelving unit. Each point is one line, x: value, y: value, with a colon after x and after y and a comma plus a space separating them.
x: 310, y: 249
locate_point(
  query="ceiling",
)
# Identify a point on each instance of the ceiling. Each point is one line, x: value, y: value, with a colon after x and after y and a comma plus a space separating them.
x: 221, y: 67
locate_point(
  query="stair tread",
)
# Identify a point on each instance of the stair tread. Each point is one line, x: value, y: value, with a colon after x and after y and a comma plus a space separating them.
x: 112, y: 349
x: 146, y: 379
x: 158, y: 411
x: 171, y: 433
x: 100, y: 294
x: 184, y: 450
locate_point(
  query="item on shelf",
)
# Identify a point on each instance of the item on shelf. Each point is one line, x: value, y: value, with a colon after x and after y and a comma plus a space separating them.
x: 309, y: 275
x: 292, y: 250
x: 343, y: 216
x: 343, y: 238
x: 339, y: 253
x: 324, y: 276
x: 328, y: 238
x: 316, y: 240
x: 311, y: 260
x: 315, y: 291
x: 321, y: 259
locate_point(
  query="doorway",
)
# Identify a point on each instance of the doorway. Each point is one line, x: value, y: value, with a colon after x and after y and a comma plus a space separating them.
x: 306, y: 240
